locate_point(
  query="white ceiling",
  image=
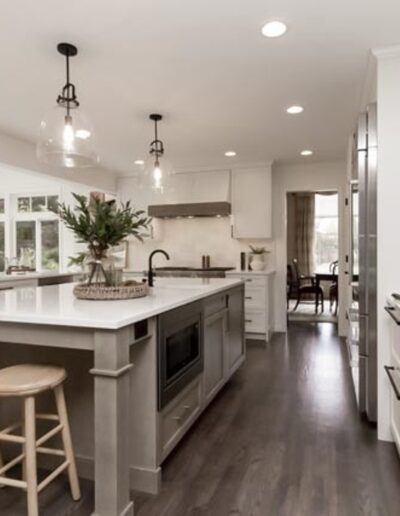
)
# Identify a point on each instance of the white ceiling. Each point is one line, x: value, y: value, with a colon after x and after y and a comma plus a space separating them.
x: 201, y: 63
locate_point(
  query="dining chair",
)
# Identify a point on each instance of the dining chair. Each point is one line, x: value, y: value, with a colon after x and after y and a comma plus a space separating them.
x: 305, y: 286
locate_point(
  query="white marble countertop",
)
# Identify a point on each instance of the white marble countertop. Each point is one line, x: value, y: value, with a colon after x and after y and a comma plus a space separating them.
x: 32, y: 275
x: 56, y: 305
x: 236, y: 272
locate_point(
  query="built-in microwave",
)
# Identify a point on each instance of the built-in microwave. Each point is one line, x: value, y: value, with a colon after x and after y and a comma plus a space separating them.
x: 180, y: 350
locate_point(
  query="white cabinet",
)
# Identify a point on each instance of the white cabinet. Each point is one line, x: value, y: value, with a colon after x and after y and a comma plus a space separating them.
x: 252, y: 202
x: 258, y: 303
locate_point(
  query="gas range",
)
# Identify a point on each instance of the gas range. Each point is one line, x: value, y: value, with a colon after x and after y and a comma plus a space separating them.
x: 192, y: 272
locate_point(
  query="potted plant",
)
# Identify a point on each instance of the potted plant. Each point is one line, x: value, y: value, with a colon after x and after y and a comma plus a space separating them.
x: 257, y: 262
x: 101, y: 225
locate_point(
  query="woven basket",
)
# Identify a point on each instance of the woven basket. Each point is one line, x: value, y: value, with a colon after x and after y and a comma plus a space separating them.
x: 100, y: 292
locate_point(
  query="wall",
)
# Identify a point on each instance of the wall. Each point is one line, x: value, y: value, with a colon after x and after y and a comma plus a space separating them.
x: 388, y: 213
x: 304, y: 177
x: 186, y: 240
x: 17, y: 181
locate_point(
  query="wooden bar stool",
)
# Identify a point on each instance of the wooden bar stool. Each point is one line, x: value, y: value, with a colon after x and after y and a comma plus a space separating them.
x: 26, y: 381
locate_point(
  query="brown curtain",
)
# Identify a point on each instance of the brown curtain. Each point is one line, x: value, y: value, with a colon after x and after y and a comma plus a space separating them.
x: 305, y: 232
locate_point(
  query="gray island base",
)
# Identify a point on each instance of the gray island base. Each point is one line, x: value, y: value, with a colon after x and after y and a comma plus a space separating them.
x: 123, y: 426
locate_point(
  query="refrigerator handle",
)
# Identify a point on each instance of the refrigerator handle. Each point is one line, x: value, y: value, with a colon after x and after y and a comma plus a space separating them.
x: 389, y: 370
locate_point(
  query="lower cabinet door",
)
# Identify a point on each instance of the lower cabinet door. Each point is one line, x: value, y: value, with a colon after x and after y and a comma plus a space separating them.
x: 213, y: 377
x: 235, y: 331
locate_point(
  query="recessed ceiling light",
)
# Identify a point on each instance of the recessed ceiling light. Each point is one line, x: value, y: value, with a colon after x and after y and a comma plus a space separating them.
x: 306, y: 152
x: 274, y: 29
x: 294, y: 110
x: 139, y: 162
x: 230, y: 154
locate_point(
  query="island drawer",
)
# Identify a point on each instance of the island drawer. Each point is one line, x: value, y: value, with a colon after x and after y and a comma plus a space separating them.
x: 255, y: 297
x: 255, y: 322
x: 214, y: 304
x: 178, y: 416
x: 254, y: 281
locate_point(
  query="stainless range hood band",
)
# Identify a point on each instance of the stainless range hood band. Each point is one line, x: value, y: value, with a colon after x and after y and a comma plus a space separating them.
x: 201, y: 209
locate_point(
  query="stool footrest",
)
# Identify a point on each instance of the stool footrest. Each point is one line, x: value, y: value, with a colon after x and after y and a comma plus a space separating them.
x: 49, y: 434
x: 53, y: 475
x: 12, y: 438
x: 49, y: 417
x: 51, y: 451
x: 11, y: 464
x: 12, y: 482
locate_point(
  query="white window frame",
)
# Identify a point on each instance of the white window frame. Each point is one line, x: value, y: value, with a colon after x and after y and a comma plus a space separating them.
x: 38, y: 218
x: 319, y: 217
x: 3, y: 219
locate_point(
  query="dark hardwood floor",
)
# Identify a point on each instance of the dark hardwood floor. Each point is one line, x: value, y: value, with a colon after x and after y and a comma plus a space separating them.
x: 283, y: 438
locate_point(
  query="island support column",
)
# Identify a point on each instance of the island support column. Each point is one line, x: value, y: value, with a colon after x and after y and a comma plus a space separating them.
x: 111, y: 370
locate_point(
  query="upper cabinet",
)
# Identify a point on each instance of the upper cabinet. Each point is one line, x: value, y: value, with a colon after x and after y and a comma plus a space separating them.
x: 252, y: 202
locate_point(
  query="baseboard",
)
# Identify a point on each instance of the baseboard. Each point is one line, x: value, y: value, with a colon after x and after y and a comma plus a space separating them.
x: 145, y: 480
x: 141, y: 479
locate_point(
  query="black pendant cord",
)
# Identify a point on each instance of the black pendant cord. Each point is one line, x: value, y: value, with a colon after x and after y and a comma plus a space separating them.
x: 67, y: 85
x: 68, y: 97
x: 156, y: 146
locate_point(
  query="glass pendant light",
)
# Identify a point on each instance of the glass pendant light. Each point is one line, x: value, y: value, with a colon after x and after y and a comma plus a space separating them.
x: 157, y: 173
x: 66, y: 136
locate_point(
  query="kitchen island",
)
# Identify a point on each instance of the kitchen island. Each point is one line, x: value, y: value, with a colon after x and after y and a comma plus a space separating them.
x: 127, y: 421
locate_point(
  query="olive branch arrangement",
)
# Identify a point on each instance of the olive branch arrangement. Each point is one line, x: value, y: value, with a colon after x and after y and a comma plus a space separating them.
x: 101, y: 225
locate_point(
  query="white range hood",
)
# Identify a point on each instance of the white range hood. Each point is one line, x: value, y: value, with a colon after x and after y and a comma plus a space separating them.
x: 196, y: 194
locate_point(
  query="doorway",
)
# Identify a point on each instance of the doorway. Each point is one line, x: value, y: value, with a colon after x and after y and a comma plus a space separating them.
x: 312, y: 256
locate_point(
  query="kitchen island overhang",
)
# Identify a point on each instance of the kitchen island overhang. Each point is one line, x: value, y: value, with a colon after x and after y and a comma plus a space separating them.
x: 119, y: 411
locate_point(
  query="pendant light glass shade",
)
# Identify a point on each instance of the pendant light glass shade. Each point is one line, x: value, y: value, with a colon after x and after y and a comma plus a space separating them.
x: 66, y: 136
x: 66, y: 140
x: 157, y: 174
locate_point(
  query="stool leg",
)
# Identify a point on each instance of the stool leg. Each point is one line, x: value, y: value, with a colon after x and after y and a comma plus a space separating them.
x: 30, y: 455
x: 23, y: 446
x: 1, y: 465
x: 67, y: 442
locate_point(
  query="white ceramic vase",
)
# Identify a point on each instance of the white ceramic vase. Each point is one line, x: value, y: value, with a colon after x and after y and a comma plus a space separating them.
x: 258, y: 262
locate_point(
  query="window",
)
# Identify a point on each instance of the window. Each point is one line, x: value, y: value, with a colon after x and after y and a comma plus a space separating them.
x: 2, y: 236
x: 2, y: 247
x: 326, y: 230
x: 37, y: 232
x: 36, y: 203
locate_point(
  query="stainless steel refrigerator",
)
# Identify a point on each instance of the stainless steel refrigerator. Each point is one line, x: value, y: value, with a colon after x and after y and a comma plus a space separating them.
x: 367, y: 147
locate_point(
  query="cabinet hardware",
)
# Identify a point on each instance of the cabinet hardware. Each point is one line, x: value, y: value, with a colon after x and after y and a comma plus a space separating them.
x: 389, y: 370
x: 248, y: 320
x: 177, y: 418
x: 248, y: 297
x: 248, y: 280
x: 187, y: 407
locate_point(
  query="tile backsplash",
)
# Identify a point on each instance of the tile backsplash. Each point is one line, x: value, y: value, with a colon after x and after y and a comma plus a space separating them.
x: 186, y: 240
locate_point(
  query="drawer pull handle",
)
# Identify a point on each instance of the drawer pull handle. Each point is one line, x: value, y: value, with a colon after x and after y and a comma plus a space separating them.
x: 248, y: 297
x: 248, y: 280
x: 179, y: 419
x: 248, y: 320
x: 389, y: 370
